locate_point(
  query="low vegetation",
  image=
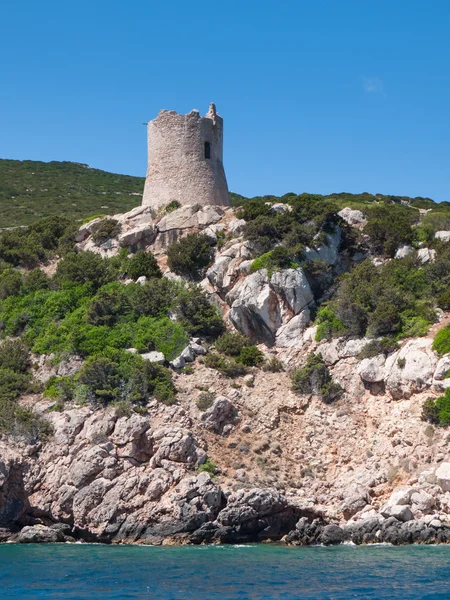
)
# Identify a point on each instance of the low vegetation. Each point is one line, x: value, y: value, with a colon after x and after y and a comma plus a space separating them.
x: 85, y: 310
x: 30, y: 190
x: 315, y: 378
x: 437, y: 410
x: 190, y: 256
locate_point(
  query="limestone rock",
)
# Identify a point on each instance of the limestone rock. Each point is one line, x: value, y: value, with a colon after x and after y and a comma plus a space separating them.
x: 404, y: 251
x: 401, y: 512
x: 188, y: 354
x: 293, y: 288
x: 255, y: 309
x: 444, y: 236
x: 154, y: 357
x: 236, y: 227
x: 218, y: 414
x: 442, y: 368
x: 412, y: 368
x: 178, y: 363
x: 426, y: 255
x: 372, y: 369
x: 137, y: 238
x: 39, y: 534
x: 352, y: 216
x: 327, y: 252
x: 291, y: 334
x: 443, y: 476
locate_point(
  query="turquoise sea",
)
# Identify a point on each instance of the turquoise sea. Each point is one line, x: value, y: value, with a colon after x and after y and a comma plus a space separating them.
x: 79, y: 571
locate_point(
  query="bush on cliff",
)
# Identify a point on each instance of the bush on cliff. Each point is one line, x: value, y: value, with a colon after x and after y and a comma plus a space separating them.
x: 190, y: 256
x: 315, y: 378
x: 105, y: 230
x: 27, y: 247
x: 142, y: 264
x: 441, y: 343
x: 437, y: 410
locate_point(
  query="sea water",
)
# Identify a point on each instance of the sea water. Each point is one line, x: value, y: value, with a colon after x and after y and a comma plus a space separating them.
x: 82, y: 571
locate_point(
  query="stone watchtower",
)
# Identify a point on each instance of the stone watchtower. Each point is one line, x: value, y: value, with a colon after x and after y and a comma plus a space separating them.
x: 185, y: 160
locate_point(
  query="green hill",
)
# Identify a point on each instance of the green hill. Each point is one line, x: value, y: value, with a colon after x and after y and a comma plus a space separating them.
x: 31, y: 189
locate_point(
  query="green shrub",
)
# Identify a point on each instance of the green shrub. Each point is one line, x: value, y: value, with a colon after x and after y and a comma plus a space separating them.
x: 35, y: 280
x: 272, y: 365
x: 375, y: 347
x: 197, y: 315
x: 437, y: 410
x: 14, y: 355
x: 190, y: 256
x: 389, y: 228
x: 142, y: 264
x: 155, y: 297
x: 315, y: 378
x: 161, y: 334
x: 85, y: 268
x: 205, y: 400
x: 174, y: 205
x: 27, y: 247
x: 226, y: 366
x: 278, y: 258
x: 443, y: 300
x: 208, y: 467
x: 122, y: 376
x: 441, y: 343
x: 110, y: 305
x: 61, y: 389
x: 232, y: 344
x: 250, y: 356
x: 10, y: 283
x: 105, y: 230
x: 328, y: 324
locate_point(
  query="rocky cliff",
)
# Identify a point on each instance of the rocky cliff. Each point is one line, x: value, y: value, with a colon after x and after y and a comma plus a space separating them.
x: 287, y: 466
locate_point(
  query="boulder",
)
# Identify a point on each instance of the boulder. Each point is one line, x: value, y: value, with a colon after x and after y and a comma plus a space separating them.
x: 372, y: 370
x: 154, y: 357
x: 404, y: 251
x: 411, y: 368
x: 218, y: 414
x: 331, y: 535
x: 443, y: 476
x: 177, y: 363
x: 327, y: 252
x: 197, y: 349
x: 293, y: 288
x: 40, y: 534
x: 291, y: 334
x: 442, y: 368
x: 188, y: 354
x: 255, y: 309
x: 401, y: 496
x: 279, y: 207
x: 444, y: 236
x: 236, y: 227
x: 352, y: 216
x: 401, y: 512
x: 426, y: 255
x: 138, y: 238
x: 422, y: 501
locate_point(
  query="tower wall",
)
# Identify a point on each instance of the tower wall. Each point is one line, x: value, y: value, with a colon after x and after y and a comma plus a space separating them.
x: 177, y: 167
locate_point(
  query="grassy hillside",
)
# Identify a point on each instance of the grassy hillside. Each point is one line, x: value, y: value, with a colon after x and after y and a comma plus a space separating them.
x: 31, y: 189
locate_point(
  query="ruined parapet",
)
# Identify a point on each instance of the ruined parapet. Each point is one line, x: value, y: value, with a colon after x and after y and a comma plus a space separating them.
x: 185, y: 160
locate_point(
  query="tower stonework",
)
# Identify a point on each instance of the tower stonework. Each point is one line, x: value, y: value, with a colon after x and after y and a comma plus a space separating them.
x: 185, y: 160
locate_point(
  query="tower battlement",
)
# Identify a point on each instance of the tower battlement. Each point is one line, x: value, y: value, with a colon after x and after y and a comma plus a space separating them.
x: 185, y: 154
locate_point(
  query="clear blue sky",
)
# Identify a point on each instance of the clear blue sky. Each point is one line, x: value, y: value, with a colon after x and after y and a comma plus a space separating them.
x: 317, y: 95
